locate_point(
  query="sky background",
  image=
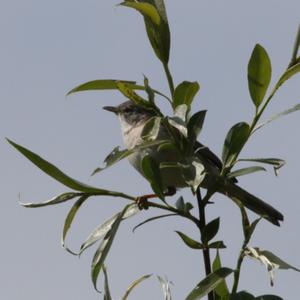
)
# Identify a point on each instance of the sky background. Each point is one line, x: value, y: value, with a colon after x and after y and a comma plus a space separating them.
x: 49, y: 47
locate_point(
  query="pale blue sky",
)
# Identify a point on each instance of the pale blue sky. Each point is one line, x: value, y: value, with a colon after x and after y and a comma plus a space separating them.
x: 47, y: 48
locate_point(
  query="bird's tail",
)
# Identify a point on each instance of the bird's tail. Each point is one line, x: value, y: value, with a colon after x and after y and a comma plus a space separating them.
x: 241, y: 196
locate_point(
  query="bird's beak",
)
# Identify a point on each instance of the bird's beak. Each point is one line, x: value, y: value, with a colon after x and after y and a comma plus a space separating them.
x: 113, y: 109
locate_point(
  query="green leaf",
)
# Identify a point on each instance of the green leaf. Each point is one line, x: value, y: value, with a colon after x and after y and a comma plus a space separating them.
x: 209, y: 283
x: 185, y: 93
x: 150, y: 92
x: 259, y: 74
x: 283, y: 113
x: 109, y: 84
x: 290, y: 72
x: 221, y: 290
x: 193, y: 173
x: 253, y: 226
x: 245, y: 171
x: 234, y: 142
x: 275, y: 162
x: 269, y: 260
x: 112, y: 158
x: 116, y: 155
x: 104, y: 247
x: 276, y: 260
x: 217, y: 245
x: 296, y: 47
x: 56, y: 200
x: 195, y: 125
x: 129, y: 93
x: 189, y: 241
x: 159, y: 35
x: 210, y: 230
x: 146, y: 9
x: 179, y: 204
x: 151, y: 129
x: 242, y: 296
x: 268, y: 297
x: 107, y: 295
x: 59, y: 176
x: 69, y: 219
x: 153, y: 219
x: 182, y: 206
x: 104, y: 84
x: 134, y: 285
x: 179, y: 119
x: 165, y: 284
x: 105, y: 227
x: 245, y: 223
x: 152, y: 173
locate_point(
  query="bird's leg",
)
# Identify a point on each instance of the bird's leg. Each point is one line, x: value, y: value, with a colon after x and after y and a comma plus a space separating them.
x: 142, y: 201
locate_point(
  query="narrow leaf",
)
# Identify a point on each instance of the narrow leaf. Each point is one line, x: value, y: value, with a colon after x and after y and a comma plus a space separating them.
x: 105, y: 227
x: 159, y: 35
x: 152, y: 219
x: 152, y: 173
x: 221, y: 290
x: 193, y: 173
x: 116, y: 154
x: 134, y: 285
x: 104, y: 84
x: 209, y: 283
x: 109, y: 84
x: 290, y: 72
x: 107, y: 295
x: 185, y: 93
x: 268, y: 297
x: 55, y: 200
x: 269, y: 260
x: 150, y: 92
x: 189, y: 241
x: 165, y: 284
x: 242, y: 296
x: 179, y: 204
x: 217, y: 245
x: 275, y: 162
x: 234, y: 142
x: 195, y: 125
x: 103, y: 249
x: 151, y: 129
x: 259, y: 74
x: 66, y: 180
x: 129, y: 93
x: 69, y: 219
x: 146, y: 9
x: 245, y: 171
x: 210, y: 230
x: 283, y: 113
x: 253, y: 226
x: 275, y: 259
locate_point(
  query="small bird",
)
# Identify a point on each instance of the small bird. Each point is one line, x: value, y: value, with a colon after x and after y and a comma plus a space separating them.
x: 133, y: 119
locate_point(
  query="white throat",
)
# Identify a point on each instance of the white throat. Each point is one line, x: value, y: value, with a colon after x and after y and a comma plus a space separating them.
x: 131, y: 132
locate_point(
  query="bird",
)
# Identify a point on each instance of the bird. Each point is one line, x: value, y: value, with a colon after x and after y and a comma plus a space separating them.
x: 133, y: 117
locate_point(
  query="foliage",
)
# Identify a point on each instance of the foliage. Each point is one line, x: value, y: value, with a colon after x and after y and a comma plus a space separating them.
x: 194, y: 162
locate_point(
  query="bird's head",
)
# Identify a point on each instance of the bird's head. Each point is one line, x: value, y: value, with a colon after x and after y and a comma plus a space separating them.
x: 131, y: 113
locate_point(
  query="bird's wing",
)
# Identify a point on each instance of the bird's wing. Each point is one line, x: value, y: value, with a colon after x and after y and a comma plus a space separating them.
x: 208, y: 155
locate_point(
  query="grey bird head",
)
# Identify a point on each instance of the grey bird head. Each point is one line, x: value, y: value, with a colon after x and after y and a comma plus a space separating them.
x: 131, y: 113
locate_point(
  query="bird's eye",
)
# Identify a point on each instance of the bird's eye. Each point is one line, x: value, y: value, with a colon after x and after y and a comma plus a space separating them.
x: 127, y: 110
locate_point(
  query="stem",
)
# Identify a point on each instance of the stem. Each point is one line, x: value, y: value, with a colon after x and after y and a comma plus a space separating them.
x: 170, y: 79
x: 238, y: 269
x: 201, y: 224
